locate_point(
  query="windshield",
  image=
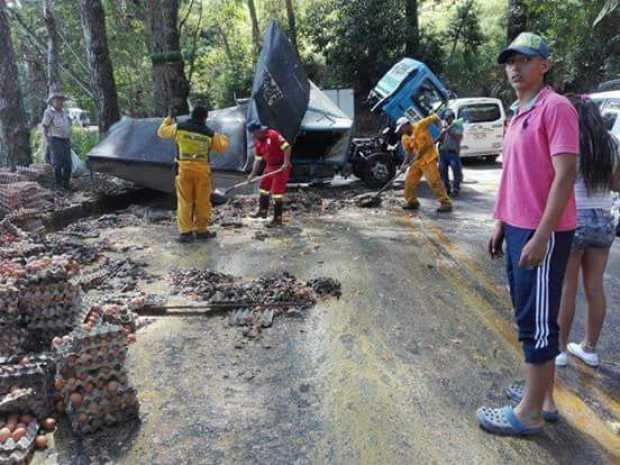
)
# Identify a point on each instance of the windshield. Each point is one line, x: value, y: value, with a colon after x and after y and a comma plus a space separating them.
x: 479, y: 113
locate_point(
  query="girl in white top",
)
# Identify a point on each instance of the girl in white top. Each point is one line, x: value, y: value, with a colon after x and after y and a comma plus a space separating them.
x: 596, y: 229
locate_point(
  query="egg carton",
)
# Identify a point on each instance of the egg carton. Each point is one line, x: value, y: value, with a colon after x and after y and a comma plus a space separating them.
x: 16, y: 401
x: 101, y: 336
x: 101, y: 397
x: 85, y: 423
x: 12, y: 340
x: 34, y: 171
x: 9, y: 177
x: 37, y: 376
x: 36, y: 297
x: 16, y: 458
x: 24, y: 443
x: 97, y: 381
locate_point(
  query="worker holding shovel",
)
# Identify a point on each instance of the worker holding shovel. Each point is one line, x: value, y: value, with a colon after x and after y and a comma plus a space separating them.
x: 416, y: 139
x: 272, y: 149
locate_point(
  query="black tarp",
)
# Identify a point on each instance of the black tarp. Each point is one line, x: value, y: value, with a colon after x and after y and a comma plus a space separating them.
x: 281, y: 89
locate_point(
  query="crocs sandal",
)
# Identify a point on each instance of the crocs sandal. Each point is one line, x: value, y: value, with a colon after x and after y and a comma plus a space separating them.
x: 515, y: 393
x: 503, y: 421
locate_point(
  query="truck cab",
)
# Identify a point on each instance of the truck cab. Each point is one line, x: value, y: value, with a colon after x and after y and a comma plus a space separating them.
x: 408, y: 89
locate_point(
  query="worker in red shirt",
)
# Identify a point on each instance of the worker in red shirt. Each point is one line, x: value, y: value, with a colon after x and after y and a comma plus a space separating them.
x: 272, y: 149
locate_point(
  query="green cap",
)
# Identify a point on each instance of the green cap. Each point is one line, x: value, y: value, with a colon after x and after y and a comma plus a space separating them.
x: 528, y: 44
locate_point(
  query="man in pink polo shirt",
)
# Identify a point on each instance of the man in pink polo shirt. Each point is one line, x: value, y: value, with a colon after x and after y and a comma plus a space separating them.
x: 536, y: 216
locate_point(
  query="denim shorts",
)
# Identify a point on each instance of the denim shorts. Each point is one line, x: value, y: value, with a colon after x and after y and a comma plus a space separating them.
x: 596, y: 228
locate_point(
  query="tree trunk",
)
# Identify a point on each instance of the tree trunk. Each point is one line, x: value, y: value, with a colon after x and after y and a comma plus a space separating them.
x: 14, y: 134
x: 54, y: 82
x: 412, y: 43
x: 171, y: 88
x: 517, y: 18
x: 291, y: 24
x: 36, y: 86
x: 101, y: 72
x: 255, y: 29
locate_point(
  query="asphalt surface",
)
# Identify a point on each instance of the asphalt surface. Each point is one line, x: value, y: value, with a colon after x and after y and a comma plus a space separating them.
x: 390, y: 374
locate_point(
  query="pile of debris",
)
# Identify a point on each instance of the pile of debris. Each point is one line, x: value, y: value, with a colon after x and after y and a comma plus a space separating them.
x: 254, y: 303
x: 305, y: 202
x: 91, y: 375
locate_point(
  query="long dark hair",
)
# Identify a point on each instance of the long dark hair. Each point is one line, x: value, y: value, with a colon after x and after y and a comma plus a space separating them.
x: 598, y: 149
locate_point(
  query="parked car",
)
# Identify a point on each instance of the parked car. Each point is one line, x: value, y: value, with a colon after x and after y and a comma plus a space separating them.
x: 79, y: 117
x: 483, y: 123
x: 612, y: 116
x: 607, y: 99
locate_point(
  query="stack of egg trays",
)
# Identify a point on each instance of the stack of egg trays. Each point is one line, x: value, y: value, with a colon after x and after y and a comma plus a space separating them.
x: 18, y: 453
x: 96, y: 357
x: 38, y: 297
x: 37, y: 375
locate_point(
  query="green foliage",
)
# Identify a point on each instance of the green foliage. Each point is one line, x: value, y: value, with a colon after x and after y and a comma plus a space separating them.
x: 83, y: 140
x: 583, y: 55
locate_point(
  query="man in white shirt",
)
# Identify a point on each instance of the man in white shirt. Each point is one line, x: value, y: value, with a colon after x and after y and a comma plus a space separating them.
x: 57, y: 130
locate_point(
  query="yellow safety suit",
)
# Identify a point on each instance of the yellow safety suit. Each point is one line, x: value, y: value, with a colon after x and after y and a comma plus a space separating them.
x: 193, y: 181
x: 421, y: 142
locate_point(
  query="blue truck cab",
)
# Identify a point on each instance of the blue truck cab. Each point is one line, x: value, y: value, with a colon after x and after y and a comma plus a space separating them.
x: 410, y: 89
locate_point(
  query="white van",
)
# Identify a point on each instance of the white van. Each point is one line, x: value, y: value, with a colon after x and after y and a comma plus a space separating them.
x: 483, y: 123
x: 607, y: 99
x: 79, y: 117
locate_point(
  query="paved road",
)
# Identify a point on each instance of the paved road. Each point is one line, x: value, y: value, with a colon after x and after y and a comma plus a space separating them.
x: 390, y: 374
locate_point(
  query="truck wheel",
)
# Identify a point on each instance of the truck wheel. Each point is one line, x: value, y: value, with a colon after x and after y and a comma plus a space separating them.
x: 379, y: 169
x: 358, y: 168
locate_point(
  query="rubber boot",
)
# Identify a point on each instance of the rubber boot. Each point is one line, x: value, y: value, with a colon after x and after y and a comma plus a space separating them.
x: 278, y: 207
x: 263, y: 206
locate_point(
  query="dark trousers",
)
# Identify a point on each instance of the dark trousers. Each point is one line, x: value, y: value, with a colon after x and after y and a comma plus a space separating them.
x: 536, y: 292
x: 449, y: 159
x: 60, y: 150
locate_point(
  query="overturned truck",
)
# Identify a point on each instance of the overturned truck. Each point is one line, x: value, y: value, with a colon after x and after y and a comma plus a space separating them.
x: 282, y: 98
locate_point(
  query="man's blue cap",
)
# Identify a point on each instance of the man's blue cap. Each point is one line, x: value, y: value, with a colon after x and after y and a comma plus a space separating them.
x: 528, y: 44
x: 255, y: 126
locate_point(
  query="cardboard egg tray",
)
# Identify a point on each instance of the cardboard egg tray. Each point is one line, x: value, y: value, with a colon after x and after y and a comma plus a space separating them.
x: 9, y: 177
x: 102, y: 336
x: 35, y: 171
x: 39, y: 297
x: 36, y: 375
x: 16, y: 401
x: 12, y: 340
x: 82, y: 423
x: 9, y: 300
x: 17, y: 453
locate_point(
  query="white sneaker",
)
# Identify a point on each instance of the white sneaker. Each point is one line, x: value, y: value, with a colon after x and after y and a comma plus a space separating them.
x: 589, y: 358
x: 561, y: 360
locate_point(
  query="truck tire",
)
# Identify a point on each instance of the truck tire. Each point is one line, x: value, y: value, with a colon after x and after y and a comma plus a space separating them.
x: 379, y: 169
x: 358, y: 168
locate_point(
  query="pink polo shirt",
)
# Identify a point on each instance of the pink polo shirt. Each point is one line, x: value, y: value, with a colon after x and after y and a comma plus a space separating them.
x: 549, y: 127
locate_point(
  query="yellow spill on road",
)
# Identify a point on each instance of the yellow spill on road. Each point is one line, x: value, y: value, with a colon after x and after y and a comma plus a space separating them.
x: 576, y: 412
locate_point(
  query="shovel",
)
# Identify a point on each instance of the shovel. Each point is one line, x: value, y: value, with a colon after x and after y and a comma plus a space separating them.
x: 367, y: 200
x: 245, y: 183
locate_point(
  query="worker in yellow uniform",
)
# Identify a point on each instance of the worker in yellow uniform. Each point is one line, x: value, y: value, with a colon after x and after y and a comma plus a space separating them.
x: 419, y: 146
x: 195, y: 140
